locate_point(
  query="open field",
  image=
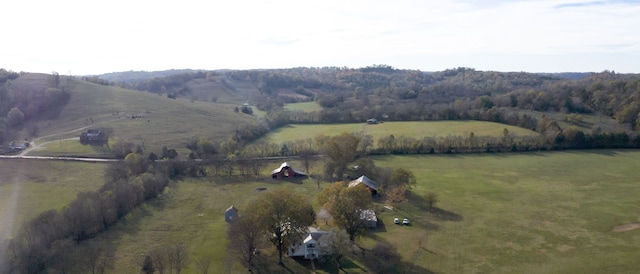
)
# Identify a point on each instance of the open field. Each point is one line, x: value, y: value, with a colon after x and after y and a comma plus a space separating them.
x: 409, y: 129
x: 551, y: 212
x: 305, y: 107
x: 529, y: 213
x: 588, y: 124
x: 30, y: 187
x: 161, y: 121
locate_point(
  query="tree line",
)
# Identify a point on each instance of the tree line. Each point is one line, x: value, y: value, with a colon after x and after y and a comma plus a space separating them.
x: 44, y: 243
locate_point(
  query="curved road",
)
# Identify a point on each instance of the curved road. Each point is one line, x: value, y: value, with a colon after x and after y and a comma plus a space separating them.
x: 33, y: 145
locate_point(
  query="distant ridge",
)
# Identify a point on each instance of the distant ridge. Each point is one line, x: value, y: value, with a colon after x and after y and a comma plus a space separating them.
x: 131, y: 76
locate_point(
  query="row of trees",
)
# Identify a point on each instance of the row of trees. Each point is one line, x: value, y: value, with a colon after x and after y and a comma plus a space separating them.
x: 42, y: 244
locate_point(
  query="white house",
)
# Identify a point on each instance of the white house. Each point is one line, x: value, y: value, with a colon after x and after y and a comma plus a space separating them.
x: 311, y: 245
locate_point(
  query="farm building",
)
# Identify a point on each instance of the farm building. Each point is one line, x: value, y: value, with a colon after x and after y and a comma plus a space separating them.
x: 369, y: 217
x: 231, y: 214
x: 370, y: 184
x: 92, y: 136
x: 286, y: 171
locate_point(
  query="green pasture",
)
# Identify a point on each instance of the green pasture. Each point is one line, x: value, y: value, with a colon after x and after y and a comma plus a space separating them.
x: 304, y: 107
x: 191, y: 211
x: 30, y: 187
x: 589, y: 121
x: 160, y: 121
x: 549, y: 212
x: 416, y: 129
x: 67, y: 147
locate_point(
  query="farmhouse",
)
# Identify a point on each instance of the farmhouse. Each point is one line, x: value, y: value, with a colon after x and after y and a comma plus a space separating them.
x: 286, y: 171
x: 370, y: 184
x: 311, y: 245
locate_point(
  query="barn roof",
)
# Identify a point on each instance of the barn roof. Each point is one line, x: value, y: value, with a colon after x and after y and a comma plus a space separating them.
x: 364, y: 180
x: 286, y: 165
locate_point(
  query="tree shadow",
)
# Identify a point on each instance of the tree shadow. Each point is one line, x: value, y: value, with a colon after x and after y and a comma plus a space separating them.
x: 445, y: 215
x: 384, y: 258
x: 439, y: 213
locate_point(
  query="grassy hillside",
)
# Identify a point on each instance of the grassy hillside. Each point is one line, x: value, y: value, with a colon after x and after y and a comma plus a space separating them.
x: 409, y: 129
x: 306, y: 107
x: 161, y: 121
x: 552, y: 212
x: 30, y: 187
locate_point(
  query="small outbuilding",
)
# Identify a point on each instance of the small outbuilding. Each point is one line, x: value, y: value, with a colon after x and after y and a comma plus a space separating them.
x: 286, y: 171
x: 231, y: 214
x: 369, y: 217
x: 370, y: 184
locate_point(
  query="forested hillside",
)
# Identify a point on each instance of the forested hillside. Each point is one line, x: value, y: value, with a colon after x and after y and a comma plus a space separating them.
x: 383, y: 92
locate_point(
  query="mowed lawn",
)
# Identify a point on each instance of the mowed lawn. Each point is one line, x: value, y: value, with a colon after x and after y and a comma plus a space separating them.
x: 550, y: 212
x: 418, y: 130
x: 30, y: 187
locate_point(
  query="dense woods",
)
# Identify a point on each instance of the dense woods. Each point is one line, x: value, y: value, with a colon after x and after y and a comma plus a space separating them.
x: 383, y: 92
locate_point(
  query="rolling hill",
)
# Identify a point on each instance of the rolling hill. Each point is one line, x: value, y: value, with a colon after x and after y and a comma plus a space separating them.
x: 140, y: 117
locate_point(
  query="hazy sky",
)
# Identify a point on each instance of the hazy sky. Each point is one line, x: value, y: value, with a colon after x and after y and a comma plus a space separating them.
x: 92, y: 37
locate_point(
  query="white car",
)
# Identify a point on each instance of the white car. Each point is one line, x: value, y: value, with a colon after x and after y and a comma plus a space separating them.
x: 396, y: 221
x: 405, y: 221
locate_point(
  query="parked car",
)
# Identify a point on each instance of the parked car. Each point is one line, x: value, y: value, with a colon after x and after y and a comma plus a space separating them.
x: 396, y: 221
x: 405, y: 221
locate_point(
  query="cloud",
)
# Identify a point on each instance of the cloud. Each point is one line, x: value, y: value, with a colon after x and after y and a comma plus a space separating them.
x: 596, y: 3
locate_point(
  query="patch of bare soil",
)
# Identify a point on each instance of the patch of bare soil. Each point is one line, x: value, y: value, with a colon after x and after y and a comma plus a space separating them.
x: 626, y: 227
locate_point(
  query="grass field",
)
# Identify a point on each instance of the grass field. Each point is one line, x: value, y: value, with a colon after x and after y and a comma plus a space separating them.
x: 162, y: 122
x: 30, y: 187
x: 551, y: 212
x: 409, y: 129
x: 304, y: 107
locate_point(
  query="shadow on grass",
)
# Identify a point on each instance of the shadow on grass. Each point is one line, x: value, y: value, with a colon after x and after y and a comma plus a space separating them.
x: 439, y: 213
x: 445, y: 215
x: 384, y: 258
x: 381, y: 227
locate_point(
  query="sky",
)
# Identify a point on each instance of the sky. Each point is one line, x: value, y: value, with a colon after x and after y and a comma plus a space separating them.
x: 82, y: 37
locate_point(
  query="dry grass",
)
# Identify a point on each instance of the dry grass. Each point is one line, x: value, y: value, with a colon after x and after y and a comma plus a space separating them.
x: 30, y: 187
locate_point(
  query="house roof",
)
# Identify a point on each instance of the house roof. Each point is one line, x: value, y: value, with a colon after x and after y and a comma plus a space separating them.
x: 315, y: 236
x: 286, y: 165
x: 364, y: 180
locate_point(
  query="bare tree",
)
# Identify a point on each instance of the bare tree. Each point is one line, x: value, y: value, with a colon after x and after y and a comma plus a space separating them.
x: 180, y: 257
x: 160, y: 260
x: 245, y: 237
x: 203, y: 263
x: 95, y: 258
